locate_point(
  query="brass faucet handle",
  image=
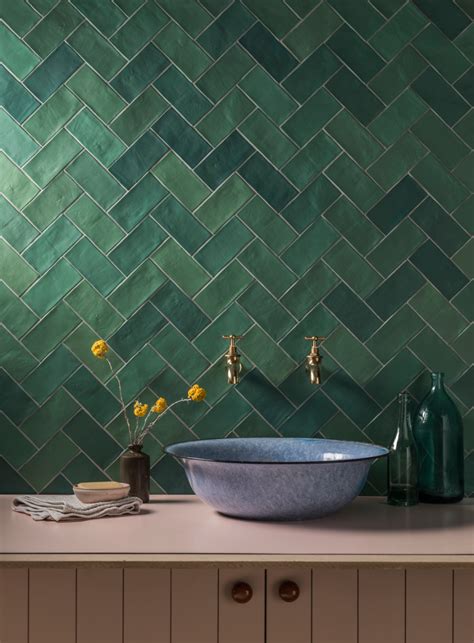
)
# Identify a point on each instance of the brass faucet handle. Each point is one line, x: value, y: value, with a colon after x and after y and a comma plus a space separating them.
x: 232, y: 337
x: 315, y: 338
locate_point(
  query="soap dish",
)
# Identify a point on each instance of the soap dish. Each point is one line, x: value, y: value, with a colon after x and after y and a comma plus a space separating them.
x: 106, y: 491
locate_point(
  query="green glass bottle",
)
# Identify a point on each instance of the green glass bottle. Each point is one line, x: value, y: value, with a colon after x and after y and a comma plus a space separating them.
x: 438, y: 433
x: 403, y: 460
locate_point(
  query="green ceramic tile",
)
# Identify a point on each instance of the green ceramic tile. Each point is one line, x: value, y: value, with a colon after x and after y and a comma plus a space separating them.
x: 353, y: 225
x: 94, y: 309
x: 52, y: 201
x: 225, y: 73
x: 180, y: 224
x: 394, y: 334
x: 96, y: 138
x: 463, y: 214
x: 439, y: 226
x: 48, y: 461
x: 223, y: 203
x: 182, y: 93
x: 355, y: 95
x: 311, y: 117
x: 349, y: 352
x: 440, y: 96
x: 401, y: 114
x: 49, y: 419
x: 18, y: 187
x: 182, y: 50
x: 311, y: 203
x: 352, y: 268
x: 437, y: 355
x: 54, y: 242
x: 275, y: 364
x: 54, y: 157
x: 224, y: 246
x: 138, y: 202
x: 181, y: 181
x: 97, y: 51
x: 310, y: 288
x: 16, y: 229
x: 223, y: 289
x: 96, y: 268
x: 361, y: 17
x: 394, y: 377
x: 180, y: 267
x: 397, y: 161
x: 137, y: 246
x: 90, y: 176
x: 463, y: 259
x: 54, y: 28
x: 15, y: 55
x: 441, y: 53
x: 92, y: 395
x: 20, y: 16
x: 268, y: 95
x: 96, y: 94
x: 50, y: 374
x: 352, y: 311
x: 438, y: 312
x: 52, y: 115
x: 266, y: 311
x: 225, y: 117
x: 355, y: 183
x: 277, y: 16
x: 137, y: 288
x: 313, y: 31
x: 464, y: 344
x: 267, y: 138
x: 463, y: 302
x: 137, y: 374
x: 139, y: 115
x: 398, y: 31
x: 140, y: 28
x: 51, y: 330
x: 396, y: 247
x: 310, y: 246
x: 17, y: 317
x: 224, y: 31
x: 398, y: 74
x: 464, y: 171
x: 93, y: 221
x: 79, y: 342
x: 267, y: 268
x: 106, y: 16
x: 16, y: 272
x: 267, y: 224
x: 15, y: 358
x: 52, y: 286
x: 436, y: 180
x: 354, y: 139
x: 355, y: 53
x: 172, y: 346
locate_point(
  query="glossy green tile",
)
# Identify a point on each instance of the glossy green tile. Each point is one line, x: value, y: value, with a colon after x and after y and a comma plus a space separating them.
x: 311, y: 117
x: 463, y: 258
x: 440, y: 96
x: 106, y: 16
x: 225, y: 117
x: 131, y: 37
x: 395, y: 291
x: 137, y: 374
x: 92, y: 178
x: 352, y: 311
x: 15, y: 55
x: 137, y: 331
x: 398, y: 31
x: 182, y: 50
x: 398, y: 74
x: 397, y: 161
x: 275, y: 364
x: 16, y: 229
x: 93, y: 221
x: 268, y: 95
x: 396, y: 247
x: 52, y: 244
x: 386, y: 342
x: 92, y: 395
x: 184, y: 358
x: 267, y: 224
x: 463, y: 302
x: 15, y: 358
x: 353, y: 225
x: 137, y: 246
x: 436, y: 354
x: 438, y: 312
x: 180, y: 224
x: 50, y: 374
x: 463, y: 214
x: 448, y: 17
x: 439, y: 226
x: 17, y: 186
x: 16, y: 272
x: 54, y: 28
x: 96, y: 268
x: 354, y: 138
x: 51, y: 330
x: 49, y: 419
x: 96, y: 94
x: 313, y: 31
x: 266, y: 311
x: 182, y: 93
x: 267, y: 268
x: 361, y: 17
x: 225, y: 73
x: 138, y: 202
x: 441, y: 53
x: 311, y: 287
x: 223, y: 203
x: 222, y: 33
x: 355, y: 96
x: 352, y: 268
x: 350, y: 353
x: 49, y: 461
x: 464, y: 171
x: 53, y: 71
x: 51, y: 202
x: 396, y: 204
x: 223, y: 289
x: 438, y: 269
x: 436, y: 180
x: 15, y: 403
x: 224, y: 160
x: 15, y: 98
x: 309, y: 246
x: 96, y: 138
x: 181, y: 181
x: 52, y: 158
x: 355, y: 53
x: 355, y: 183
x: 94, y: 309
x: 20, y: 16
x: 173, y: 303
x: 398, y: 117
x: 277, y: 16
x: 139, y: 115
x: 190, y: 15
x: 267, y: 138
x: 53, y: 286
x: 181, y: 137
x: 137, y: 288
x: 52, y: 115
x: 96, y: 50
x: 180, y: 267
x: 17, y: 317
x: 224, y: 246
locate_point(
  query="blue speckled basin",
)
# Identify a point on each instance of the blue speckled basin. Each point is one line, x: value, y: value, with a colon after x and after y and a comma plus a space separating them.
x: 276, y: 478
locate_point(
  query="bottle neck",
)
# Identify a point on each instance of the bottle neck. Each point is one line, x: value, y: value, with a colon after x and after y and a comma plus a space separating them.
x: 437, y: 381
x: 404, y: 418
x: 136, y: 448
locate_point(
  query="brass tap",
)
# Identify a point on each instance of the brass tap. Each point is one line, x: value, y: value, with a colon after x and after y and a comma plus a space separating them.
x: 313, y: 360
x: 232, y: 360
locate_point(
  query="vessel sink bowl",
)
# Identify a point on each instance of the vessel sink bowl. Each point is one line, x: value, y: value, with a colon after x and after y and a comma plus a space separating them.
x: 276, y: 478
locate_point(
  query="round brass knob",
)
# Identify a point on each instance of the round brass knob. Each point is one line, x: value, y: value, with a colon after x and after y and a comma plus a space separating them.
x: 242, y: 592
x: 289, y: 591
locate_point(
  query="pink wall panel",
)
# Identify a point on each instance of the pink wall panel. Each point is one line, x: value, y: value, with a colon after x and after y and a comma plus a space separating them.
x: 289, y: 621
x: 52, y: 606
x: 147, y: 606
x: 334, y: 606
x: 429, y: 606
x: 381, y: 606
x: 13, y: 605
x: 99, y: 605
x: 463, y: 606
x: 241, y: 622
x: 194, y: 605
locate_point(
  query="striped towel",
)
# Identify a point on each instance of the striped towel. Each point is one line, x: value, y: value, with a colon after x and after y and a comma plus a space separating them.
x: 61, y: 508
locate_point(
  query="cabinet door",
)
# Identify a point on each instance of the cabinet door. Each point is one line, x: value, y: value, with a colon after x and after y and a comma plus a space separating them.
x: 429, y: 606
x: 239, y: 622
x: 14, y: 605
x: 99, y: 605
x: 52, y: 606
x: 335, y: 605
x: 381, y: 606
x: 463, y: 607
x: 288, y: 618
x: 194, y: 605
x: 146, y: 605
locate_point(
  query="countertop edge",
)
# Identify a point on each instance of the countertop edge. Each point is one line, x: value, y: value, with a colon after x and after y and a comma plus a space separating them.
x: 460, y: 561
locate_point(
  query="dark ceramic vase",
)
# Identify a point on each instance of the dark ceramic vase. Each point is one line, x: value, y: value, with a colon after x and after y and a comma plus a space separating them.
x: 438, y: 433
x: 135, y: 470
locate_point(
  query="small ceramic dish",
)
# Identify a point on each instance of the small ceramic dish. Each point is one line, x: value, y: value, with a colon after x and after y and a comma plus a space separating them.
x: 106, y: 491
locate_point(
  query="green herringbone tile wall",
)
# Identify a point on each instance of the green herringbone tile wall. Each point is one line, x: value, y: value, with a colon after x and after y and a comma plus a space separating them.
x: 175, y: 170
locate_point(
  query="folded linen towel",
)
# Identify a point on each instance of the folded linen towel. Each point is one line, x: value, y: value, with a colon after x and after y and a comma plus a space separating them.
x: 61, y: 508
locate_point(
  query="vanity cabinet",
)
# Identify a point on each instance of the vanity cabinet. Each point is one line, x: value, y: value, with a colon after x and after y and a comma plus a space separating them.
x: 236, y: 605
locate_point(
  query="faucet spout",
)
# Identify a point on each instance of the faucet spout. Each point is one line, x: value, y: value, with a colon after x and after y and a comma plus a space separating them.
x: 232, y: 360
x: 313, y: 360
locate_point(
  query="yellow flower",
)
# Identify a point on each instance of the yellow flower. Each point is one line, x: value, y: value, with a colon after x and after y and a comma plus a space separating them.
x: 160, y: 405
x: 100, y: 348
x: 196, y: 393
x: 140, y: 409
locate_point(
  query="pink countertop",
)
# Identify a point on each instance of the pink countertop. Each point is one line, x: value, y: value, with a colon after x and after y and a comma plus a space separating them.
x: 183, y: 525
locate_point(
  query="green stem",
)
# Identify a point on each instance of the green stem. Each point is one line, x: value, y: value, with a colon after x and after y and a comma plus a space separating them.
x: 124, y: 409
x: 146, y: 431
